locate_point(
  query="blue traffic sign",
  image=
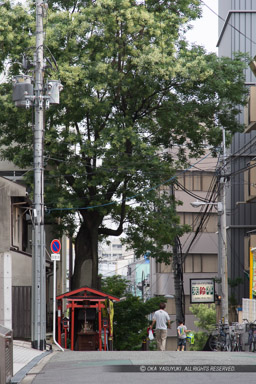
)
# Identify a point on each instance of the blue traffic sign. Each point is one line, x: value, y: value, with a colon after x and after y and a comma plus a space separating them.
x: 55, y: 246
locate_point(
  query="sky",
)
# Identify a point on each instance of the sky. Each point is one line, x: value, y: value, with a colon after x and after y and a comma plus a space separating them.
x: 205, y: 31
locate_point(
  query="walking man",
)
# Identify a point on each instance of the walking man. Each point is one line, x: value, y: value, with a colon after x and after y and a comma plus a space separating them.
x: 160, y: 318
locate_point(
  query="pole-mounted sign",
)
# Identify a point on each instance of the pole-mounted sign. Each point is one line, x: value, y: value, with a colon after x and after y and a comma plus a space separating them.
x: 55, y: 246
x: 55, y: 256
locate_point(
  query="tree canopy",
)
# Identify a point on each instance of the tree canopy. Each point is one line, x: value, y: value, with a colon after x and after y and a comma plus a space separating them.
x: 136, y: 100
x: 130, y: 315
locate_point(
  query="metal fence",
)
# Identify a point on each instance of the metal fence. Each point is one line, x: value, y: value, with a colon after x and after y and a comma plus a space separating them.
x: 21, y: 312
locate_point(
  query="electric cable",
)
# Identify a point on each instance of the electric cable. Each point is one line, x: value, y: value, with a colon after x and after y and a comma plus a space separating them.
x: 232, y: 26
x: 204, y: 217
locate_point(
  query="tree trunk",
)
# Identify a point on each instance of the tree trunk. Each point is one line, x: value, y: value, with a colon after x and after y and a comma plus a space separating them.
x: 86, y: 257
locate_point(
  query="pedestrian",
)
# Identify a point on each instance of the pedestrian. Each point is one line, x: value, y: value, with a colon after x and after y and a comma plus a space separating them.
x: 182, y: 334
x: 160, y: 318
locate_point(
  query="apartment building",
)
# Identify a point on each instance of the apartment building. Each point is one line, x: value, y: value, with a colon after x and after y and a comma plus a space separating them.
x: 200, y: 257
x: 114, y: 258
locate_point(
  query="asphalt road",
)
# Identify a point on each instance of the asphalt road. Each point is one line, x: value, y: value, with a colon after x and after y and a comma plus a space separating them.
x: 144, y: 367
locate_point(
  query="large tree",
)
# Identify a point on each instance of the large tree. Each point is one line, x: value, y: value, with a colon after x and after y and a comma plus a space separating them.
x: 136, y: 100
x: 130, y: 315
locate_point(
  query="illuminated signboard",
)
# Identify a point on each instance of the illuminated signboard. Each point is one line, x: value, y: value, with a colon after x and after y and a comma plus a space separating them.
x: 202, y: 291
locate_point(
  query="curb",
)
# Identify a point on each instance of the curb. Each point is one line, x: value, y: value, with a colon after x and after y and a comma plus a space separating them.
x: 23, y: 371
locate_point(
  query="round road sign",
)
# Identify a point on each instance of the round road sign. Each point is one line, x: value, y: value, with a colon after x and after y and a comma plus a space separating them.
x: 55, y: 246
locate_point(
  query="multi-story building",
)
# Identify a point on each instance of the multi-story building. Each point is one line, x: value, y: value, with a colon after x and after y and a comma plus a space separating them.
x: 200, y: 256
x: 15, y: 258
x: 114, y: 258
x: 16, y: 255
x: 237, y: 32
x: 139, y: 278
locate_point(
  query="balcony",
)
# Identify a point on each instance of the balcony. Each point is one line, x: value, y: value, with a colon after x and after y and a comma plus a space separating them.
x: 250, y: 111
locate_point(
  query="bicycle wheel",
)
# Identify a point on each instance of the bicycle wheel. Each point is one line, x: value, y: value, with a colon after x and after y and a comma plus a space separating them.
x: 214, y: 343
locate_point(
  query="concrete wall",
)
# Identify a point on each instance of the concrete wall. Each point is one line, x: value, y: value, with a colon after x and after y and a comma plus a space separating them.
x: 15, y: 268
x: 6, y: 290
x: 21, y: 269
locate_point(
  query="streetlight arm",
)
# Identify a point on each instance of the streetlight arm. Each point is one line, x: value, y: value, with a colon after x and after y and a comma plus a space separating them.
x: 197, y: 204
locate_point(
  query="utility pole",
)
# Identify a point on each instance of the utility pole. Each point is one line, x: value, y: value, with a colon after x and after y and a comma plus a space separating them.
x: 223, y: 240
x: 178, y: 277
x: 39, y: 285
x: 28, y: 91
x: 178, y: 282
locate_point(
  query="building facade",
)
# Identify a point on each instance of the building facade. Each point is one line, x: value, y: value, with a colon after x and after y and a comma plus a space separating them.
x: 237, y: 33
x: 15, y: 258
x: 114, y: 258
x: 199, y: 253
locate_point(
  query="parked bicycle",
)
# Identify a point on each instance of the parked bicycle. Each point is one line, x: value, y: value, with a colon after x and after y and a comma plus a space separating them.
x: 251, y: 330
x: 236, y: 331
x: 252, y: 337
x: 220, y: 338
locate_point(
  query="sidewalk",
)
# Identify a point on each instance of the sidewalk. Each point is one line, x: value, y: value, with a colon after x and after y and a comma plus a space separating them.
x: 24, y: 359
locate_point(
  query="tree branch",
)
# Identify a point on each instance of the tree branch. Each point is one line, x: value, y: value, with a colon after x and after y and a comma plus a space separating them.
x: 119, y: 230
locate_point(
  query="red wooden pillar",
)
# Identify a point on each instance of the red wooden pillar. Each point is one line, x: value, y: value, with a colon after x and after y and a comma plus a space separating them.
x: 99, y: 314
x: 72, y: 326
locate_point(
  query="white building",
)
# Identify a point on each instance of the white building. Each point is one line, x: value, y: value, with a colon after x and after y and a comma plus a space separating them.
x: 114, y: 258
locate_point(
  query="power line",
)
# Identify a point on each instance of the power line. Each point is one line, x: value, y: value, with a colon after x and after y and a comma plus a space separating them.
x: 127, y: 198
x: 232, y: 26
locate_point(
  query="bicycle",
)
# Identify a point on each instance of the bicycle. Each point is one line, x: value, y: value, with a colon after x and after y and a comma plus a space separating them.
x: 220, y: 338
x: 252, y: 337
x: 235, y: 341
x: 251, y: 329
x: 239, y: 329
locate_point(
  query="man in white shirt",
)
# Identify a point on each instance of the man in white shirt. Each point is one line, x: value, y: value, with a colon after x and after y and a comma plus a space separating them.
x: 160, y: 318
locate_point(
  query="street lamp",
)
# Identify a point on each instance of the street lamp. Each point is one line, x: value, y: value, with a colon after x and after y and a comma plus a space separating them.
x: 197, y: 204
x: 222, y: 254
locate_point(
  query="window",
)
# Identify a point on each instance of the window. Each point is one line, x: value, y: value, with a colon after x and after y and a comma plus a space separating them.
x: 210, y: 263
x: 193, y: 219
x: 197, y: 260
x: 106, y: 254
x: 17, y: 224
x: 196, y: 181
x: 201, y: 263
x: 188, y: 265
x: 211, y: 224
x: 117, y: 246
x: 163, y: 268
x: 181, y: 180
x: 207, y: 182
x: 189, y: 181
